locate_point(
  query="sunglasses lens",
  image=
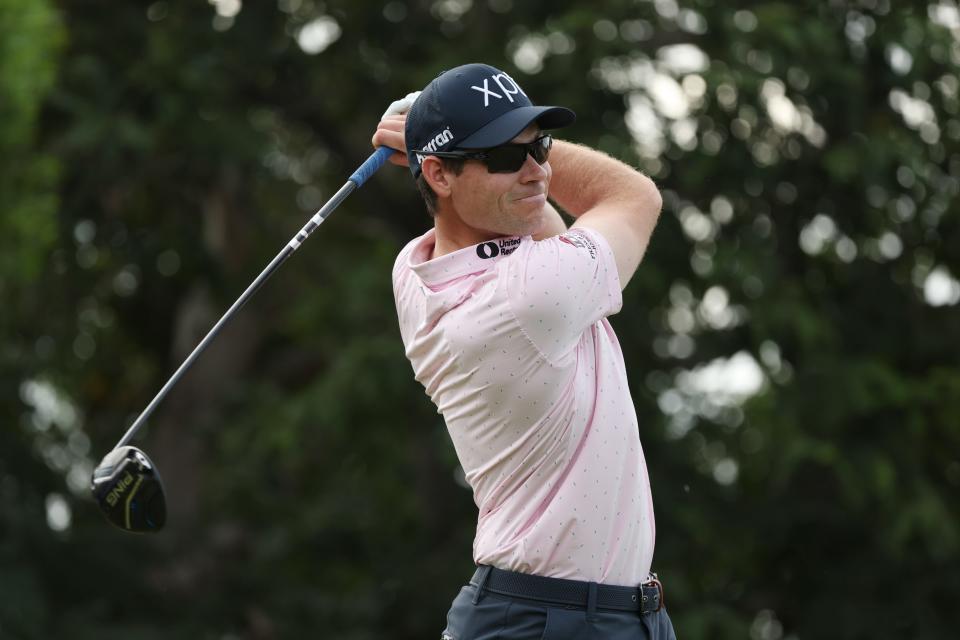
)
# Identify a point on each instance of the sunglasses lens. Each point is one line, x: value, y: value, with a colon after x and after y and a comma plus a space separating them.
x: 509, y: 158
x: 506, y: 159
x: 540, y: 149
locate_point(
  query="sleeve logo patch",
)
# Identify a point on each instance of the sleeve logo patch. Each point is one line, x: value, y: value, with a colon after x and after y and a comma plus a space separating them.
x: 580, y: 241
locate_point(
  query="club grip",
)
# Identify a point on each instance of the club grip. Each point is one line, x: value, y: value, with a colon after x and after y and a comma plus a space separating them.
x: 371, y: 165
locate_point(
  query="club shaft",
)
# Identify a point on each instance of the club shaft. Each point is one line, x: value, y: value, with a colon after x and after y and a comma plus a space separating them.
x: 360, y: 176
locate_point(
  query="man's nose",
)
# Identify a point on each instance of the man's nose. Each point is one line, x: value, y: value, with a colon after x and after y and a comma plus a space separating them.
x: 532, y: 170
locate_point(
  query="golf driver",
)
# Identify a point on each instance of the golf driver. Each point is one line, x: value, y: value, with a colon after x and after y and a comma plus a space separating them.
x: 126, y: 483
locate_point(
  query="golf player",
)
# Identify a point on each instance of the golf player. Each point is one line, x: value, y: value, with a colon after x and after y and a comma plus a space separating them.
x: 503, y: 313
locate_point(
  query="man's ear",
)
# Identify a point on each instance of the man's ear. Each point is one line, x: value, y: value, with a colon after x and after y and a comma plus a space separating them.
x: 436, y: 176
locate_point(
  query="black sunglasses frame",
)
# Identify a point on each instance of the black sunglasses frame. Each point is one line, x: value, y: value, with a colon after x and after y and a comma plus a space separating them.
x: 494, y: 159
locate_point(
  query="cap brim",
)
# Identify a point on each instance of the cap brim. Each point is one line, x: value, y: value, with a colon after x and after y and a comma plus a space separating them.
x: 507, y: 126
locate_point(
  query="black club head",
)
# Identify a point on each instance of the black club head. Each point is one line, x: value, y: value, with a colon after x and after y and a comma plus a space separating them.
x: 128, y: 489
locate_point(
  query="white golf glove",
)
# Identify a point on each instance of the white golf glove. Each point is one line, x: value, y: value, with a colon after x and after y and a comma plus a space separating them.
x: 401, y: 106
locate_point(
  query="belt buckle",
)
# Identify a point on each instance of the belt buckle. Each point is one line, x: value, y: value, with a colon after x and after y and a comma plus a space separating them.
x: 655, y: 581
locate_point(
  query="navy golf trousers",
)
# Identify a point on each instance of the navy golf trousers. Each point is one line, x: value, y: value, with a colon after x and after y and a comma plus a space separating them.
x: 503, y: 605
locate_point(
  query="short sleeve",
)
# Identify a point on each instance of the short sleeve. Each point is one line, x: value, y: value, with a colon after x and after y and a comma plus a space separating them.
x: 404, y: 294
x: 561, y: 286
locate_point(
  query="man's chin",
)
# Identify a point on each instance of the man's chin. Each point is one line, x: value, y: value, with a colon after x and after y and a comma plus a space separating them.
x: 534, y: 223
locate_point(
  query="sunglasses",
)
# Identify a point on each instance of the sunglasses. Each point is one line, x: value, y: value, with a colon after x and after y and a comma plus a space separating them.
x: 507, y: 158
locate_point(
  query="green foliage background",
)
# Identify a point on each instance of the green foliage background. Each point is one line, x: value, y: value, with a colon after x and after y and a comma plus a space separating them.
x: 158, y: 155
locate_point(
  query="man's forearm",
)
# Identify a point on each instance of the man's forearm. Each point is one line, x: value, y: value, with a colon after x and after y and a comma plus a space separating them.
x: 584, y: 178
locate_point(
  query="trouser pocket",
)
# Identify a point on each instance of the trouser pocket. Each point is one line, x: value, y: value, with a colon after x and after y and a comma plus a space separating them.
x: 565, y: 624
x: 481, y: 621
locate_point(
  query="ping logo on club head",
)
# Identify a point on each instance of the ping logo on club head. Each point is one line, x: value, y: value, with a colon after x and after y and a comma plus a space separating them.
x: 507, y: 85
x: 117, y: 492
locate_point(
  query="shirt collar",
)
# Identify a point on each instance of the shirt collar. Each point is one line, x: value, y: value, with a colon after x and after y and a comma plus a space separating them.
x: 473, y: 259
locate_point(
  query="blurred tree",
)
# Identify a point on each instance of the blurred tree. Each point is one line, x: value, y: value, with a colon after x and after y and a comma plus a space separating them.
x: 792, y: 337
x: 30, y: 40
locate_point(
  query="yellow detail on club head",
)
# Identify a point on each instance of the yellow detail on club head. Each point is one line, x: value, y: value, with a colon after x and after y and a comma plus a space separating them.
x: 133, y: 492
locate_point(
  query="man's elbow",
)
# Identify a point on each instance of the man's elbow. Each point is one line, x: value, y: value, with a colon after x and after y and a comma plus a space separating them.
x: 646, y: 198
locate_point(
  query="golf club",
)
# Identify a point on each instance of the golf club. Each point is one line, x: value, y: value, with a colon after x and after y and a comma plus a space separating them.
x: 126, y: 484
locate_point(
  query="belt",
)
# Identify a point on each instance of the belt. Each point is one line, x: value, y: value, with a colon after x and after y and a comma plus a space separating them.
x: 645, y: 598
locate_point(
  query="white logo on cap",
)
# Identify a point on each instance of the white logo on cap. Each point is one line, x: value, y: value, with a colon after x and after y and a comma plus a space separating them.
x: 507, y: 85
x: 436, y: 141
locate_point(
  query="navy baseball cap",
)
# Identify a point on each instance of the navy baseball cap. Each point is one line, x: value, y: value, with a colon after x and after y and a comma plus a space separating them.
x: 474, y: 106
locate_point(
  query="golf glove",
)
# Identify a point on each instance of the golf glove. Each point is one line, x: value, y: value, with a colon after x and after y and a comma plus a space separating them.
x: 401, y: 106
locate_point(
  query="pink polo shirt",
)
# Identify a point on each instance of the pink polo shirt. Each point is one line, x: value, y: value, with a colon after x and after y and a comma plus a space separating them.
x: 510, y: 340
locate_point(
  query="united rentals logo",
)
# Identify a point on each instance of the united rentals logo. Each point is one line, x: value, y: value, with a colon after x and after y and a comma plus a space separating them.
x: 504, y: 246
x: 436, y: 142
x: 507, y: 85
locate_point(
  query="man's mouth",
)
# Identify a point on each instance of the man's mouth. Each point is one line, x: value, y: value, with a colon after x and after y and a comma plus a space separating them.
x: 532, y: 197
